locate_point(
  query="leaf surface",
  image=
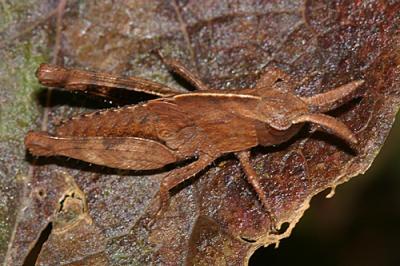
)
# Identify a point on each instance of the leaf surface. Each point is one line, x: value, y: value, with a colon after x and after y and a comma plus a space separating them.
x: 98, y: 216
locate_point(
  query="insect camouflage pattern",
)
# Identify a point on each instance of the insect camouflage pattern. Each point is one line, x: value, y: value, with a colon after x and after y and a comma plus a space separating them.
x: 200, y: 125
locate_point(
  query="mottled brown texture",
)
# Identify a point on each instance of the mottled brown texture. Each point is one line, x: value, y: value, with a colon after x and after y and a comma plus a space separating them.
x: 202, y: 125
x: 320, y: 44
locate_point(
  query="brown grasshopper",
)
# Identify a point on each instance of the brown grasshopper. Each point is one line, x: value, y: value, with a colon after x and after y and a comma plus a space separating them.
x: 203, y: 124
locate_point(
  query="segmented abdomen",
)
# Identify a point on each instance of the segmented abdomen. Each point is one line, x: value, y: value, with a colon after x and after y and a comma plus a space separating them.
x: 135, y: 121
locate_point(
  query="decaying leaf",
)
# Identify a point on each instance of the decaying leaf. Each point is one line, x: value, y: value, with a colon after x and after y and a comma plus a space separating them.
x: 99, y: 216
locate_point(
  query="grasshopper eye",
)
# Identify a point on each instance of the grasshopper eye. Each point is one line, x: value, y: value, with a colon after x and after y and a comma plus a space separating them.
x: 276, y: 132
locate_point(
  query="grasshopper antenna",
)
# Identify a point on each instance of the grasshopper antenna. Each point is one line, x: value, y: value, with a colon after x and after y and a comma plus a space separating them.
x: 327, y: 101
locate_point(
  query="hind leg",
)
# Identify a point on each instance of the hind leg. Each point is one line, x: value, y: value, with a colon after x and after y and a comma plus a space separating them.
x: 129, y: 153
x: 98, y: 83
x: 185, y: 73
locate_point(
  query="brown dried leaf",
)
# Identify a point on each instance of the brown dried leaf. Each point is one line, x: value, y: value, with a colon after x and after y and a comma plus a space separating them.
x: 99, y: 215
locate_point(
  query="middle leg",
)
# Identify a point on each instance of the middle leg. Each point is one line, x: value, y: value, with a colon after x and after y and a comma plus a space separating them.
x: 252, y: 178
x: 177, y: 176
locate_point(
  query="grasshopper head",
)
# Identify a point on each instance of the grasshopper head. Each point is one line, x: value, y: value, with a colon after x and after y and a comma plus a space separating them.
x: 278, y: 109
x: 283, y: 111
